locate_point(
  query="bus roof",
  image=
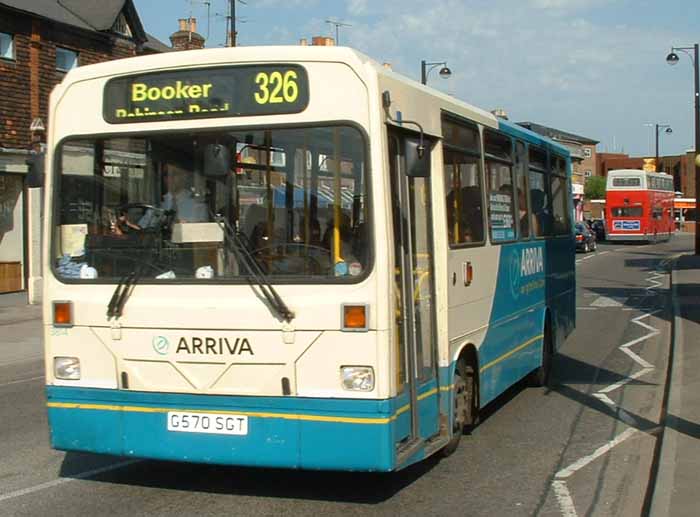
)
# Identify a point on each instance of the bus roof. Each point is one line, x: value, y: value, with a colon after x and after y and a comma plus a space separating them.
x: 531, y: 137
x: 271, y: 54
x: 634, y: 172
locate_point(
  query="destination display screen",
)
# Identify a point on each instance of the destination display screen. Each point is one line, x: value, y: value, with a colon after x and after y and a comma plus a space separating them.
x: 232, y: 91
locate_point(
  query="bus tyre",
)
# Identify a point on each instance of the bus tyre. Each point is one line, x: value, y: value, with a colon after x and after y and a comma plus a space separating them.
x: 463, y: 404
x: 541, y: 376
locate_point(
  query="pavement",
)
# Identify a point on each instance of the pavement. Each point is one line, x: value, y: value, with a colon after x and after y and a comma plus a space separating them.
x: 14, y: 309
x: 676, y: 487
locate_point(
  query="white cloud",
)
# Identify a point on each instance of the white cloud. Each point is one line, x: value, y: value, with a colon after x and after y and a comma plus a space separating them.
x: 357, y: 7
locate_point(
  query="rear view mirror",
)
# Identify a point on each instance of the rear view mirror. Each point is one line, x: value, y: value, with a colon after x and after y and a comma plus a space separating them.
x: 35, y: 173
x: 217, y: 160
x: 417, y: 158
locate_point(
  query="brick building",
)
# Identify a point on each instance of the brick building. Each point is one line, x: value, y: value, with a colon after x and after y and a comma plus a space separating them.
x: 40, y: 40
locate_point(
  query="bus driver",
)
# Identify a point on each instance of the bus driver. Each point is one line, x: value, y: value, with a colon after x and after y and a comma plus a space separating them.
x: 186, y: 206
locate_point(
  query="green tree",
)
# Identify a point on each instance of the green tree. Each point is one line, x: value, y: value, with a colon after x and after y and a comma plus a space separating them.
x: 594, y: 188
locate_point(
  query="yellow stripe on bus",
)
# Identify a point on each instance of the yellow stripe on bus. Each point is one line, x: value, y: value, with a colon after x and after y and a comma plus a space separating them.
x: 286, y: 416
x: 514, y: 351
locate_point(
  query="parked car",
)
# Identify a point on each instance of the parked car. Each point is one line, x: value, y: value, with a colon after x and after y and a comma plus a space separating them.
x: 585, y: 238
x: 598, y: 227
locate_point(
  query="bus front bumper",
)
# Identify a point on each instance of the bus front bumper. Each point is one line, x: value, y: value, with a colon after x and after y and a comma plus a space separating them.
x: 286, y: 432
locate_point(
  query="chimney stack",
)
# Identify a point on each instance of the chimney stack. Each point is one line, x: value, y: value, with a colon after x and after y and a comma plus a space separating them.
x: 187, y: 38
x: 322, y: 41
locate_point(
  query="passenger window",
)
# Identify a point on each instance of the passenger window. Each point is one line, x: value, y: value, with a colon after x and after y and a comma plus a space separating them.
x: 465, y: 222
x: 499, y: 173
x: 559, y: 206
x: 540, y: 214
x: 522, y: 189
x: 462, y: 161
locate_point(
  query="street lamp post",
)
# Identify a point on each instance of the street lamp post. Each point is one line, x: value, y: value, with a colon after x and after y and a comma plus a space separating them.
x: 424, y: 70
x: 672, y: 59
x: 668, y: 130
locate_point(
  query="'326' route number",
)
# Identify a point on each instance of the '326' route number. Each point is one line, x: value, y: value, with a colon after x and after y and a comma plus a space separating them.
x: 276, y: 88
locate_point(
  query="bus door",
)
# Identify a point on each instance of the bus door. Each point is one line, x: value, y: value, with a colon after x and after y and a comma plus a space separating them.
x: 414, y: 297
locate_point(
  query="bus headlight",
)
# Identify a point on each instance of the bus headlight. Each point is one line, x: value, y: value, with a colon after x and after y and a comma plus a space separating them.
x: 357, y: 378
x: 66, y: 368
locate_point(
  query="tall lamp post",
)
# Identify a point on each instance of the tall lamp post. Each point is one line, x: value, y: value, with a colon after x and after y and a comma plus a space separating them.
x: 673, y: 59
x: 668, y: 130
x: 426, y: 68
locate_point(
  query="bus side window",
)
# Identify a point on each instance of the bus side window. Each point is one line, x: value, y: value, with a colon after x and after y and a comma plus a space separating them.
x: 499, y: 173
x: 539, y: 204
x: 560, y: 211
x: 464, y: 205
x: 523, y: 188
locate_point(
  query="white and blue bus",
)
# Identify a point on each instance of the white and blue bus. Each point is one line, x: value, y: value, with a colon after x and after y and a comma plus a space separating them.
x: 292, y: 257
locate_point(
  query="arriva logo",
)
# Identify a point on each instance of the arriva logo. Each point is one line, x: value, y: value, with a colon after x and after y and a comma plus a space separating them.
x: 161, y: 344
x: 531, y: 261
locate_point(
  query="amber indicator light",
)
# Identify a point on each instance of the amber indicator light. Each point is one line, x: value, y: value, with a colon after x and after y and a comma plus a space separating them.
x: 63, y: 314
x: 354, y: 316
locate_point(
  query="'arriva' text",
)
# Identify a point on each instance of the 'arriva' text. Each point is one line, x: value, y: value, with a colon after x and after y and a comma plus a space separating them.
x: 531, y: 261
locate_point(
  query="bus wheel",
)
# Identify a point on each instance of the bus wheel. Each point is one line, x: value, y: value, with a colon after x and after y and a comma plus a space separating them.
x: 463, y: 404
x: 541, y: 376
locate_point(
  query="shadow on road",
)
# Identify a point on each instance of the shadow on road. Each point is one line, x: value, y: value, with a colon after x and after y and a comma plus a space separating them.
x: 580, y: 372
x: 359, y: 488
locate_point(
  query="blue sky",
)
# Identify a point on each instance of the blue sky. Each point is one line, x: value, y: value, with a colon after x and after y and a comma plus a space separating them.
x: 592, y: 67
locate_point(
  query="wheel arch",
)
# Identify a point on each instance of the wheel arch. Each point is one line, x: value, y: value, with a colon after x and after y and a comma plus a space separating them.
x: 470, y: 354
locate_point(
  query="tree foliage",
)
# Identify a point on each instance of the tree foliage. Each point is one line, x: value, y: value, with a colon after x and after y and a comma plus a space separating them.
x: 594, y: 188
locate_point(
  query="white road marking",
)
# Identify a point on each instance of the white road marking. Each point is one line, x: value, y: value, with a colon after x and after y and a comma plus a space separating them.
x: 638, y: 359
x: 604, y: 398
x: 579, y: 464
x: 619, y: 384
x: 603, y: 252
x: 588, y: 257
x: 21, y: 381
x: 561, y: 490
x: 61, y: 481
x: 566, y: 503
x: 605, y: 301
x: 587, y: 308
x: 654, y: 279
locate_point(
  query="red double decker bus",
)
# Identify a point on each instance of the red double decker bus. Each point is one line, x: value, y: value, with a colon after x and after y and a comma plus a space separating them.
x: 639, y: 206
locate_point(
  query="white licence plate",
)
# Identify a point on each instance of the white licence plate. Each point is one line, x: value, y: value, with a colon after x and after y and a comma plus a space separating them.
x: 207, y: 423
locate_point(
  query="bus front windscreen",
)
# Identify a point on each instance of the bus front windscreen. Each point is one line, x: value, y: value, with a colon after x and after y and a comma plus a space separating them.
x: 158, y: 206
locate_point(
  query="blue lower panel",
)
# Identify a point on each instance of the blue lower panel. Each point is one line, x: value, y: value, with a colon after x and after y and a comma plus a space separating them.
x: 282, y: 432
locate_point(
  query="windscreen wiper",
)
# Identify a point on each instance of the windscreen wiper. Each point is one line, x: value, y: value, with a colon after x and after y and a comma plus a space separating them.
x: 240, y: 248
x: 127, y: 288
x: 116, y: 295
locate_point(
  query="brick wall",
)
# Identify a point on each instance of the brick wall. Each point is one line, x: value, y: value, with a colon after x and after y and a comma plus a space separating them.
x: 26, y: 82
x: 14, y: 83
